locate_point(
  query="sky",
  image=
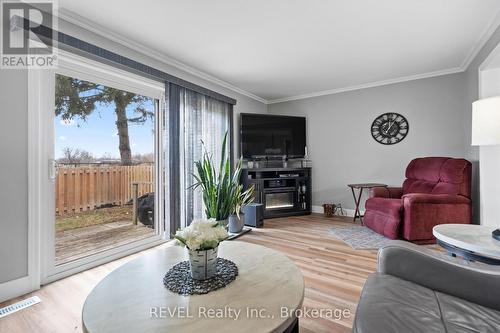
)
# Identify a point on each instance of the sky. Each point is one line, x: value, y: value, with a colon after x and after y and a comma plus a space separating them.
x: 99, y: 136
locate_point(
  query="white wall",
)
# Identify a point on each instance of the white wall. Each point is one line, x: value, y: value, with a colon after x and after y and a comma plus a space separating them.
x: 486, y: 191
x: 341, y: 146
x: 490, y: 82
x: 489, y: 157
x: 489, y: 162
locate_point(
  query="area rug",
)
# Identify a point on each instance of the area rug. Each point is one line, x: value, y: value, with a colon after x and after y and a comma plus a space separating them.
x: 359, y: 237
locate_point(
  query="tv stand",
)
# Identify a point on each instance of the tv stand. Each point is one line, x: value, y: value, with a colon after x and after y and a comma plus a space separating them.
x: 282, y: 191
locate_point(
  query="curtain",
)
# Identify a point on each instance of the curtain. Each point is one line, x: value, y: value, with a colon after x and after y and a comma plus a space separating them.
x: 201, y: 119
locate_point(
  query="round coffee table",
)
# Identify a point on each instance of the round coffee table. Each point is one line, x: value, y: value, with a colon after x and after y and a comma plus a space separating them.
x: 473, y: 242
x: 263, y: 298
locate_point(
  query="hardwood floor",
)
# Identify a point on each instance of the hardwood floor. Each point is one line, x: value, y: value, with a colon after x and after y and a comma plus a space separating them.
x: 334, y: 275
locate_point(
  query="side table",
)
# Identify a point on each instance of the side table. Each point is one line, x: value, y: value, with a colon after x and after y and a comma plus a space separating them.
x: 357, y: 199
x: 472, y: 242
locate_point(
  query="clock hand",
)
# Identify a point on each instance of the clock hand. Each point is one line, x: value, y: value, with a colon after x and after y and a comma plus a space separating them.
x: 388, y: 127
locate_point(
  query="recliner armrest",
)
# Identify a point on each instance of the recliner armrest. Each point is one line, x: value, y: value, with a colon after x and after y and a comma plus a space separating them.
x: 475, y: 283
x: 386, y: 192
x: 434, y: 198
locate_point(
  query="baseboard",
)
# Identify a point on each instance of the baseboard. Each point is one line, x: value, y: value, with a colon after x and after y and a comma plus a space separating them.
x: 317, y: 209
x: 15, y: 288
x: 347, y: 211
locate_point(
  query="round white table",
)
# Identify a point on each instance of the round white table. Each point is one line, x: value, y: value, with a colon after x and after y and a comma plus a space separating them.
x: 473, y: 242
x: 263, y: 298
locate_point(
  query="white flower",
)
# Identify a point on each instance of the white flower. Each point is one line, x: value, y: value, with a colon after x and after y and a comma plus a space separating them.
x: 202, y: 234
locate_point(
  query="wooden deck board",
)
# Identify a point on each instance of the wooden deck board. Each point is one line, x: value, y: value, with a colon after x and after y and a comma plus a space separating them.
x: 334, y: 275
x: 78, y: 243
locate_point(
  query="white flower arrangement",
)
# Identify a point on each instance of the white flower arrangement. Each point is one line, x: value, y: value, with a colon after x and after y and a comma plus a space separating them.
x: 202, y: 235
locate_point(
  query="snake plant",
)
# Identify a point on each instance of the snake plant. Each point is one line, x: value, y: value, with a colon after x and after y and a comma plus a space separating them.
x: 222, y: 192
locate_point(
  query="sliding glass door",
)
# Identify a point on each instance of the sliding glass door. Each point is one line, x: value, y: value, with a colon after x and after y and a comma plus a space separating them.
x: 105, y: 154
x: 104, y: 151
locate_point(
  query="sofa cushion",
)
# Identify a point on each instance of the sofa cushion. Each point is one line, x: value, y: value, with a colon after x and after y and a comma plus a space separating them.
x: 384, y: 216
x: 390, y: 304
x: 446, y: 188
x: 411, y: 185
x: 426, y: 168
x: 438, y: 175
x: 454, y: 171
x: 390, y: 207
x: 463, y: 316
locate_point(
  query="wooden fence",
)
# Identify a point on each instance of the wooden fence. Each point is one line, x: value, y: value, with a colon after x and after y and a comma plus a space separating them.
x: 81, y: 188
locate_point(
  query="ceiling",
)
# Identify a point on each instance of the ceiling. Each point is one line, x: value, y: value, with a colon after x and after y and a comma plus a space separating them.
x: 284, y: 49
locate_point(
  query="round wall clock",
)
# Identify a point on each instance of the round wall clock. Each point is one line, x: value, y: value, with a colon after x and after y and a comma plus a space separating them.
x: 389, y: 128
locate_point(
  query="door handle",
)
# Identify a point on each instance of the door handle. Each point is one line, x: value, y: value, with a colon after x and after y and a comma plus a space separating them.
x: 52, y: 169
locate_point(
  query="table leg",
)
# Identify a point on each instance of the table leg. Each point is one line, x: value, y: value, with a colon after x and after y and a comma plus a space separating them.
x: 293, y: 328
x: 467, y: 255
x: 357, y: 206
x: 357, y: 201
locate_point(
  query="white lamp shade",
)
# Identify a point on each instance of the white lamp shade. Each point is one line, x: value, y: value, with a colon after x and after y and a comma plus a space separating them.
x: 486, y: 122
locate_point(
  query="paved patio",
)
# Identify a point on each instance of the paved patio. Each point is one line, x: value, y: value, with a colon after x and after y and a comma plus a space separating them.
x: 78, y: 243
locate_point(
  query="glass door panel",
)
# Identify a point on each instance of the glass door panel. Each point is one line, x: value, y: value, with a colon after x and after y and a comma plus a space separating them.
x: 105, y: 168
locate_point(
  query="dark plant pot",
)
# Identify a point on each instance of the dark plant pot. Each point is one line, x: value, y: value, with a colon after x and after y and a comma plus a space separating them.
x: 236, y: 224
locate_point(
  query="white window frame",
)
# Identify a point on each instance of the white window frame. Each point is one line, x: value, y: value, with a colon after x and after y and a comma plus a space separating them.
x: 41, y: 123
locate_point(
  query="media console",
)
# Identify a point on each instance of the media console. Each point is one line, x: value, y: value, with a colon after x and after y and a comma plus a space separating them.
x: 282, y: 191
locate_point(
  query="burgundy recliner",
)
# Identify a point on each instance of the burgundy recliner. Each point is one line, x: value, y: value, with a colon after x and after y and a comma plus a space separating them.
x: 437, y: 190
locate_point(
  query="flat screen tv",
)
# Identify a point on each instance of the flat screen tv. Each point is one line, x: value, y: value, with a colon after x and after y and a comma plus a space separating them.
x: 265, y: 135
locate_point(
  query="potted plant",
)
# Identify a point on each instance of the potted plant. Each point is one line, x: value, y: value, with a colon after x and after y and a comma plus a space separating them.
x: 221, y: 190
x: 237, y: 218
x: 202, y: 239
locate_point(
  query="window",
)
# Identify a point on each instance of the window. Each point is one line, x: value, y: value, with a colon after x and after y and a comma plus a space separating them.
x: 201, y: 119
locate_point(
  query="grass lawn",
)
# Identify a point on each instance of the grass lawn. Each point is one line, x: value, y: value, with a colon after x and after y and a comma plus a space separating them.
x: 93, y: 217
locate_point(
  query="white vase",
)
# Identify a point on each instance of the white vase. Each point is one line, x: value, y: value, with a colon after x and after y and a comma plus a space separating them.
x: 236, y: 224
x: 203, y: 263
x: 223, y: 222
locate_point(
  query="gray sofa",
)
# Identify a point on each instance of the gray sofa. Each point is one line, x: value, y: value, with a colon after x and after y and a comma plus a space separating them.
x: 420, y: 290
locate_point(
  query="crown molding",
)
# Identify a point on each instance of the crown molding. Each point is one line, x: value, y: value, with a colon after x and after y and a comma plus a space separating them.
x: 369, y: 85
x: 99, y: 30
x: 485, y: 37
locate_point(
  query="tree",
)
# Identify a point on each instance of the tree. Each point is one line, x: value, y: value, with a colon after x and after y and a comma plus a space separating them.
x: 79, y: 99
x: 144, y: 158
x: 74, y: 156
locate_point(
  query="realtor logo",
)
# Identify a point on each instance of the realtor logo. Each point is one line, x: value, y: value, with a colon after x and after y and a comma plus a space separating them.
x: 27, y: 34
